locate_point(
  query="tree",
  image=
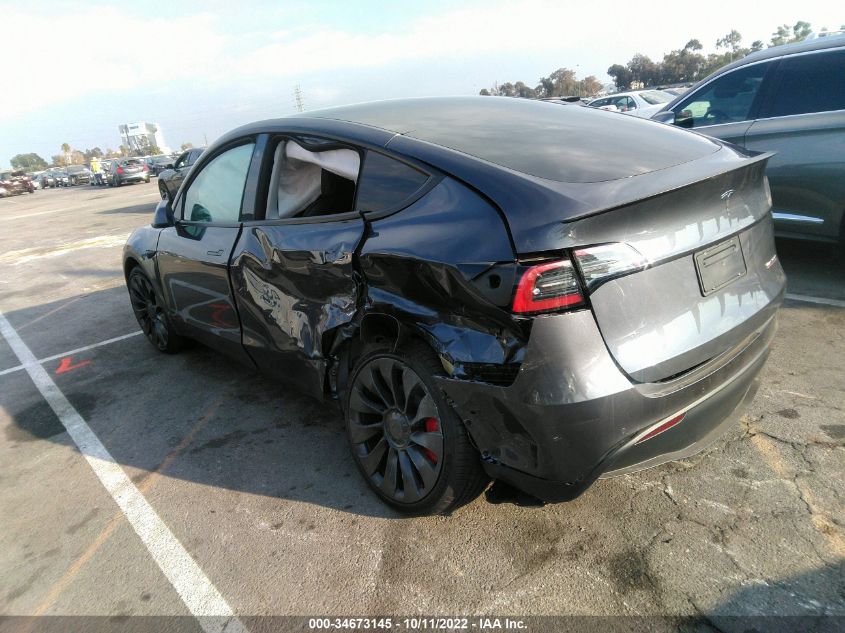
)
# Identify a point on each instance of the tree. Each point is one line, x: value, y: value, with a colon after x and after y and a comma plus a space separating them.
x: 124, y: 151
x: 59, y: 160
x: 521, y: 90
x: 731, y: 41
x: 93, y: 153
x: 187, y: 146
x: 154, y: 150
x: 757, y: 45
x: 643, y: 70
x: 590, y: 86
x: 785, y: 35
x: 622, y: 77
x: 484, y: 93
x: 28, y: 162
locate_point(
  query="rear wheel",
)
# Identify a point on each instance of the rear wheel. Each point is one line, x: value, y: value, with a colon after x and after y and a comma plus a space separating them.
x: 410, y: 446
x: 149, y: 311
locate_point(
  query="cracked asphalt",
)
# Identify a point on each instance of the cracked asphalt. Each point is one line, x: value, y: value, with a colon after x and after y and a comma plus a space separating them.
x: 257, y: 484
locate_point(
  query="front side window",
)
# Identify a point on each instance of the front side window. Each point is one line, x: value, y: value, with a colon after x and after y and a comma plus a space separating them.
x: 216, y: 193
x: 386, y: 183
x: 654, y: 97
x: 810, y: 83
x: 727, y: 99
x: 182, y: 161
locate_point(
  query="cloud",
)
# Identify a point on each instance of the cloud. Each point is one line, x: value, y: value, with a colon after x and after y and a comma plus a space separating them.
x: 98, y: 51
x: 452, y: 35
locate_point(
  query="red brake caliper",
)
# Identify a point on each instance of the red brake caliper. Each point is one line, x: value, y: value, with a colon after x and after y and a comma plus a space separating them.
x: 431, y: 425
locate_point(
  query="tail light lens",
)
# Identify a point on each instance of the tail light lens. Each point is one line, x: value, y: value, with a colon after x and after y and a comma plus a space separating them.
x: 599, y: 264
x: 549, y: 286
x: 146, y: 168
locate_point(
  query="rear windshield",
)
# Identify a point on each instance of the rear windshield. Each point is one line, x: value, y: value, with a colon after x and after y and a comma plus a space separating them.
x: 75, y: 169
x: 656, y: 96
x: 536, y: 138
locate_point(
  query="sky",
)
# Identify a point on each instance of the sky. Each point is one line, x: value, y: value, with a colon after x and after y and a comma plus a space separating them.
x: 73, y: 71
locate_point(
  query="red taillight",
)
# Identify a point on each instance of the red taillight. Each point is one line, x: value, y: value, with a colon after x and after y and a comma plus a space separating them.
x: 120, y: 170
x: 146, y: 168
x: 549, y: 286
x: 664, y: 426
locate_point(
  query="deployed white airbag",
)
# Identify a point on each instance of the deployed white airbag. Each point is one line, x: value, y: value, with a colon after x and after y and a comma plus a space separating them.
x: 297, y: 176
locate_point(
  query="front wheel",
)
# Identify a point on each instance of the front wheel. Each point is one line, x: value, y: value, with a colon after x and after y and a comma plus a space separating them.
x: 149, y: 311
x: 407, y: 442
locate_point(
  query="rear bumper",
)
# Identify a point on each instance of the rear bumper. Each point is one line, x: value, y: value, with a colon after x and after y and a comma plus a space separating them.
x: 572, y: 415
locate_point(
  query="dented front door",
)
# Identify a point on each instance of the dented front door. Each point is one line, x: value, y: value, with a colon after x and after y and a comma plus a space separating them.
x: 294, y: 285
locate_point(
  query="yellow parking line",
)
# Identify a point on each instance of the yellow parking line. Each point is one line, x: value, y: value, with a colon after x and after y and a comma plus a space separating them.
x: 831, y: 533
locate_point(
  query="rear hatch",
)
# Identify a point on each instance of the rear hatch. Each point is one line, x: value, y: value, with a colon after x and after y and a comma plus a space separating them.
x: 132, y: 167
x: 695, y: 276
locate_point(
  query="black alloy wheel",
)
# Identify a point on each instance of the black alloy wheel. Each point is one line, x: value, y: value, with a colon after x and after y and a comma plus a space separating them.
x: 407, y: 442
x: 150, y: 314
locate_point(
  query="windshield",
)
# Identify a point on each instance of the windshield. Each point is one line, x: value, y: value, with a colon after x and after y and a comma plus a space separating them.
x: 654, y: 97
x: 75, y: 169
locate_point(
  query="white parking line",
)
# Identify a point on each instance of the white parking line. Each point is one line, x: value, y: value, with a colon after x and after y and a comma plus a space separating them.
x: 197, y: 592
x: 74, y: 351
x: 808, y: 299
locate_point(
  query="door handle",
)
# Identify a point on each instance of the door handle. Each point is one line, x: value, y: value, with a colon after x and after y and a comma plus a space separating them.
x: 215, y: 253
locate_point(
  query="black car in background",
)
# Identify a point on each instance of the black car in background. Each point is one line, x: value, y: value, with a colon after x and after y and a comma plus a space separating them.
x: 127, y: 170
x: 169, y: 180
x: 157, y: 164
x: 484, y: 289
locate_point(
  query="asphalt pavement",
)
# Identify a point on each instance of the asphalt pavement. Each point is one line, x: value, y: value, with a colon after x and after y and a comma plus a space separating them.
x: 220, y: 492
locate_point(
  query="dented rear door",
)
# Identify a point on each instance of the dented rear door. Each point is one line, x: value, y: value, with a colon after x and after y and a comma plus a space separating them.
x: 295, y: 283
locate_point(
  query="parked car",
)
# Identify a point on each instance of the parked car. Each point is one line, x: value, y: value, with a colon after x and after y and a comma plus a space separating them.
x: 78, y: 175
x: 641, y: 103
x: 16, y: 182
x: 48, y: 179
x: 614, y: 316
x: 789, y: 100
x: 169, y: 180
x: 157, y: 164
x: 127, y: 170
x: 61, y: 177
x: 35, y: 179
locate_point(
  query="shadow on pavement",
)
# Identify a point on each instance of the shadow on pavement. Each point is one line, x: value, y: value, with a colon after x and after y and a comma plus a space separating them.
x: 816, y: 269
x: 209, y: 420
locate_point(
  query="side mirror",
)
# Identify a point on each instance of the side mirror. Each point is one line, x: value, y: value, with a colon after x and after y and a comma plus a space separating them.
x: 163, y: 216
x: 665, y: 116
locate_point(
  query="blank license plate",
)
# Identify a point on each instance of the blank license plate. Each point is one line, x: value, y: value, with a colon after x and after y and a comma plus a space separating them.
x: 719, y: 265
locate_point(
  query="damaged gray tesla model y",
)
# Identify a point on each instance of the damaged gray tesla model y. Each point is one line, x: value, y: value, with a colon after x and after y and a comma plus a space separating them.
x: 492, y: 288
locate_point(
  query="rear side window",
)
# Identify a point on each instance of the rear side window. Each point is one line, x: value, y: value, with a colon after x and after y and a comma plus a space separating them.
x: 726, y: 99
x: 810, y: 83
x: 386, y: 183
